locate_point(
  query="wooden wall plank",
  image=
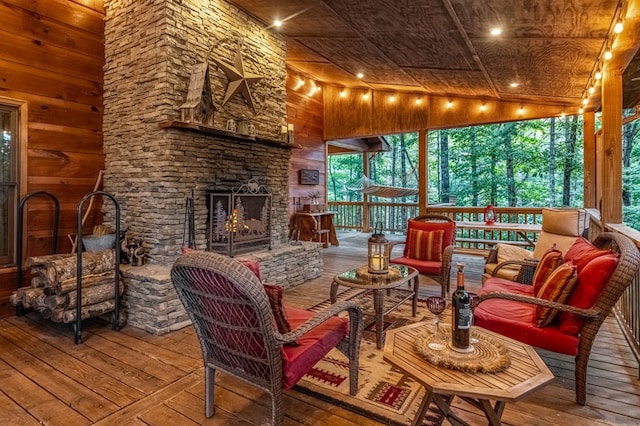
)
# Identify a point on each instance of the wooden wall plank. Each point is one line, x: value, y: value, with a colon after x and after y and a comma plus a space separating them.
x: 51, y: 57
x: 611, y: 176
x: 305, y: 112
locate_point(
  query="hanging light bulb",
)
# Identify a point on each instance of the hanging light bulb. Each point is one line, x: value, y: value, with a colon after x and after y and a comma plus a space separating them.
x: 449, y: 104
x: 598, y: 75
x: 581, y: 110
x: 608, y: 55
x: 483, y: 107
x: 365, y: 96
x: 343, y: 93
x: 591, y: 90
x: 418, y: 101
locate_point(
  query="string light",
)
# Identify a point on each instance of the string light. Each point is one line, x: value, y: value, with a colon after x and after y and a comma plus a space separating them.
x: 365, y: 96
x: 608, y: 55
x: 449, y: 104
x: 277, y: 23
x: 482, y: 107
x: 591, y: 90
x: 360, y: 75
x: 418, y: 101
x: 392, y: 98
x: 521, y: 110
x: 581, y: 110
x: 598, y: 75
x: 618, y: 27
x: 343, y: 93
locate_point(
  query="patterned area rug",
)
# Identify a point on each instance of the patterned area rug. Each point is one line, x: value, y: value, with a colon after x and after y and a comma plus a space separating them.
x: 385, y: 394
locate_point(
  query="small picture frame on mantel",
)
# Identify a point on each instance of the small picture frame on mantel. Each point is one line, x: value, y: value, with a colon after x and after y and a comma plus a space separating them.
x: 309, y: 177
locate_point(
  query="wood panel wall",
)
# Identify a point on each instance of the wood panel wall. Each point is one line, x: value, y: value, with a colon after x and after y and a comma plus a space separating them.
x: 359, y: 112
x: 51, y: 57
x: 305, y: 113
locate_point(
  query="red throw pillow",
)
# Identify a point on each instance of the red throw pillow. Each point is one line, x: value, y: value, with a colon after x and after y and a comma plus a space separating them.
x: 556, y: 288
x: 425, y: 245
x: 549, y: 262
x: 253, y: 265
x: 591, y: 282
x: 582, y: 252
x: 449, y: 229
x: 274, y: 293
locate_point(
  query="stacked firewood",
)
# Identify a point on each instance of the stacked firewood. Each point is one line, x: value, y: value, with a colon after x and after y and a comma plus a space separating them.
x: 53, y: 290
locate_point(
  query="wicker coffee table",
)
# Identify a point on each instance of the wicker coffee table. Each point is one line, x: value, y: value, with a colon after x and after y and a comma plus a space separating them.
x: 380, y: 284
x: 526, y: 373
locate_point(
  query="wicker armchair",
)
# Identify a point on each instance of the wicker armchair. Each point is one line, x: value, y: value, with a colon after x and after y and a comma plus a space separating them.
x: 560, y: 227
x: 439, y: 270
x: 511, y: 318
x: 236, y: 326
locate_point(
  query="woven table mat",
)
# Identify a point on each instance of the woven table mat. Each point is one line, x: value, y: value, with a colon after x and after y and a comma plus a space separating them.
x: 363, y: 271
x: 488, y: 355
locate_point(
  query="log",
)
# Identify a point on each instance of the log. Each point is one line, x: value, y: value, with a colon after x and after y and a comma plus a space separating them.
x: 38, y: 281
x: 28, y: 297
x: 90, y: 296
x: 88, y: 281
x: 42, y: 261
x: 63, y: 267
x: 69, y: 315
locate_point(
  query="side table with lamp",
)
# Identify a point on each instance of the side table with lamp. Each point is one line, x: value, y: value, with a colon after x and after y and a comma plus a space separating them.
x: 379, y: 277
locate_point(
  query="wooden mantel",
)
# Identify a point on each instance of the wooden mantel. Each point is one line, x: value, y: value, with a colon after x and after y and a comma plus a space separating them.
x: 208, y: 130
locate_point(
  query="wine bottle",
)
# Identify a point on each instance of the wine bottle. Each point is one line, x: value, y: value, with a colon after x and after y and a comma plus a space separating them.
x: 461, y: 317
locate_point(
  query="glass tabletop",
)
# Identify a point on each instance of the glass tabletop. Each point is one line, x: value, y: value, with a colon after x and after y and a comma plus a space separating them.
x: 360, y: 277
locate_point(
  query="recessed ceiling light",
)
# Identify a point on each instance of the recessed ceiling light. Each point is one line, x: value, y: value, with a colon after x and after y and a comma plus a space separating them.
x: 496, y: 31
x: 359, y: 75
x: 277, y: 23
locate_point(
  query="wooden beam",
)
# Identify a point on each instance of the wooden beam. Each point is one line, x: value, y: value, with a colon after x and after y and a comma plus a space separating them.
x: 611, y: 178
x: 589, y: 127
x: 365, y: 197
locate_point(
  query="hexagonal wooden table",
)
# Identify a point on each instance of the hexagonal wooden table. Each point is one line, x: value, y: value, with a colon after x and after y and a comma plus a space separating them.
x: 526, y: 373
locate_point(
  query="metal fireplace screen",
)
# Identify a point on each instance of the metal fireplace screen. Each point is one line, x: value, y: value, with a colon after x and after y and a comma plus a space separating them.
x: 239, y: 220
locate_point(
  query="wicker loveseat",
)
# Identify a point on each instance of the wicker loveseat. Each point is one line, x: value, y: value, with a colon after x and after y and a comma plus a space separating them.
x: 238, y: 325
x: 512, y: 309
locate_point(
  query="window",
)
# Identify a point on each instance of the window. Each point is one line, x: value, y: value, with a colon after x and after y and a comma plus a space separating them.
x: 9, y: 173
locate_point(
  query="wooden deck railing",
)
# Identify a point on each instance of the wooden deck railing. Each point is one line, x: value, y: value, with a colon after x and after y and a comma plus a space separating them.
x: 394, y: 216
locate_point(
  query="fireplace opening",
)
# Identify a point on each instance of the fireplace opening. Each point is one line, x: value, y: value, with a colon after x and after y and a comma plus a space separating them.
x: 239, y: 221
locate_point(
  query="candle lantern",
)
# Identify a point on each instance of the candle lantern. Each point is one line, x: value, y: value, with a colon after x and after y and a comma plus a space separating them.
x: 379, y: 251
x: 489, y: 215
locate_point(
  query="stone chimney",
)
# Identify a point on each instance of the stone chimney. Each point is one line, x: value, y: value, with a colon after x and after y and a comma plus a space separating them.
x: 150, y: 49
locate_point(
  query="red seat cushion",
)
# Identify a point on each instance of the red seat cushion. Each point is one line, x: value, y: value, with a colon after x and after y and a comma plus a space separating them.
x: 297, y: 360
x: 425, y: 267
x: 582, y: 252
x: 517, y: 320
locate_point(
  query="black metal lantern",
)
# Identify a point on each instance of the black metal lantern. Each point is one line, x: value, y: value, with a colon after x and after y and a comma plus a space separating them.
x: 379, y: 251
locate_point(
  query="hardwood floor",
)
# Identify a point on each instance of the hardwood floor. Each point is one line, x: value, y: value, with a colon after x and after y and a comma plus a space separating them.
x: 134, y: 378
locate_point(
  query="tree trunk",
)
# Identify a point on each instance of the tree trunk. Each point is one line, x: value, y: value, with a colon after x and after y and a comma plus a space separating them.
x: 552, y: 162
x: 444, y: 167
x: 570, y: 144
x: 475, y: 187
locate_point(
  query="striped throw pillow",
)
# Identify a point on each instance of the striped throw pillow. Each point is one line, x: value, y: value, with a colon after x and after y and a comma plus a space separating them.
x: 557, y: 288
x: 548, y: 263
x: 425, y: 245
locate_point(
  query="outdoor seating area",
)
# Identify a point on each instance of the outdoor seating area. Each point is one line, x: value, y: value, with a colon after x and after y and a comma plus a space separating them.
x: 160, y: 379
x: 313, y: 212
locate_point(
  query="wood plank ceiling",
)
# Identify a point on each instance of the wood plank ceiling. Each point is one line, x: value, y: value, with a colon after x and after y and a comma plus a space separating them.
x: 550, y: 48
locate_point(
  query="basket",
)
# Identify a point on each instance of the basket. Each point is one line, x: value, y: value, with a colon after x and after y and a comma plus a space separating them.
x: 98, y: 242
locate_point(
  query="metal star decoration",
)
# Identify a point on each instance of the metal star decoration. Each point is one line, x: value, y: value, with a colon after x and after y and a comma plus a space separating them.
x: 239, y: 79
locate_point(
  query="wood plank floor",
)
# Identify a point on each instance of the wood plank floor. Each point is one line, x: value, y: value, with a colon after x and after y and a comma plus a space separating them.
x: 133, y: 378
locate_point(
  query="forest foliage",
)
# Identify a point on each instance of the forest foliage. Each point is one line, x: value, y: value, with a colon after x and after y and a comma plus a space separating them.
x: 534, y: 163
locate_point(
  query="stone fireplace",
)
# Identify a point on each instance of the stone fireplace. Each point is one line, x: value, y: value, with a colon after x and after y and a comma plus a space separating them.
x: 155, y: 164
x: 152, y: 168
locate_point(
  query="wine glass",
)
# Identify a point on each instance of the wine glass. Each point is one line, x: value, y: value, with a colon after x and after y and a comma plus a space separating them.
x: 436, y: 305
x: 474, y: 300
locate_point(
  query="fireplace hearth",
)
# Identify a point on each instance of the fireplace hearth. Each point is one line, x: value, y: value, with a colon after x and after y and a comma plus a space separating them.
x: 239, y: 221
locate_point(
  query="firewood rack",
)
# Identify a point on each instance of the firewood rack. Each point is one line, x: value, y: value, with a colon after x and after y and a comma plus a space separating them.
x: 20, y: 230
x: 115, y: 316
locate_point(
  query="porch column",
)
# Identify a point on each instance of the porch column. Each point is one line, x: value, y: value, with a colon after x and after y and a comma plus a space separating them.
x: 365, y: 197
x: 423, y: 177
x: 589, y: 130
x: 611, y: 179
